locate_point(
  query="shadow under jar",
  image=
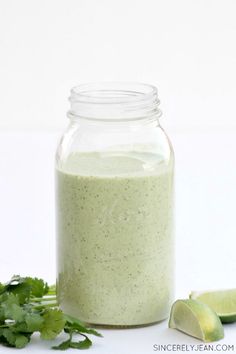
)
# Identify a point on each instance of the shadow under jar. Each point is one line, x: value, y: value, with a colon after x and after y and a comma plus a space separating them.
x: 114, y: 203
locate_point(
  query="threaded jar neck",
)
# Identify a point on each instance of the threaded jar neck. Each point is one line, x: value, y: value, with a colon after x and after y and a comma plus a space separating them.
x: 114, y: 101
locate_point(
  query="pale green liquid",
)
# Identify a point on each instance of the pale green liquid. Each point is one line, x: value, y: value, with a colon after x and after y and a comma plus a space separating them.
x: 115, y: 244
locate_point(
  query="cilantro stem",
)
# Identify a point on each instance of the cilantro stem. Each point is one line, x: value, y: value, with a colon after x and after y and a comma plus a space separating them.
x: 44, y: 298
x: 43, y: 306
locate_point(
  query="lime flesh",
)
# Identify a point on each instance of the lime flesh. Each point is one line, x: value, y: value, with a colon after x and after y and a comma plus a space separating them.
x: 223, y: 302
x: 196, y: 319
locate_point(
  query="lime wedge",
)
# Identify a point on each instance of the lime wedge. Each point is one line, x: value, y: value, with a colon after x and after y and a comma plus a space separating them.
x: 196, y: 319
x: 223, y: 302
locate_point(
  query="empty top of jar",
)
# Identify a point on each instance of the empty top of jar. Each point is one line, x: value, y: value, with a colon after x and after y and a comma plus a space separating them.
x: 111, y: 101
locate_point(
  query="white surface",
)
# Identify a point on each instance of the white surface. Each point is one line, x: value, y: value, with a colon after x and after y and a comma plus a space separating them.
x: 186, y: 48
x: 205, y: 224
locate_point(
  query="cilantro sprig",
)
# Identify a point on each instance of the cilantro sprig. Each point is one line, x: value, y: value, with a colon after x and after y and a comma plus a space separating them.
x: 29, y: 305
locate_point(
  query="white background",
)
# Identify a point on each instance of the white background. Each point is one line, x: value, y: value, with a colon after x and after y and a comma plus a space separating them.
x: 188, y: 50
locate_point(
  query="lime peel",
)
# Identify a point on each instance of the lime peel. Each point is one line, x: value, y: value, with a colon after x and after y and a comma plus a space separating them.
x: 223, y: 302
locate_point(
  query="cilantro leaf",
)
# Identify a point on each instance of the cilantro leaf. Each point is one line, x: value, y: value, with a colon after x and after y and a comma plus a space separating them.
x: 62, y: 346
x: 38, y: 286
x: 11, y: 308
x: 21, y: 341
x: 83, y: 344
x: 34, y: 322
x: 22, y: 291
x: 2, y: 288
x: 15, y: 339
x: 9, y: 336
x: 15, y: 280
x: 28, y: 305
x: 26, y: 287
x: 53, y: 324
x: 75, y: 324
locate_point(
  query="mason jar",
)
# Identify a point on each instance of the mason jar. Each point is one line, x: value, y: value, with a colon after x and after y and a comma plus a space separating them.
x: 114, y: 206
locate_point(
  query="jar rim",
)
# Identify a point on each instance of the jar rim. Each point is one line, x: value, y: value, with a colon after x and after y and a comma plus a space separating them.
x: 114, y: 101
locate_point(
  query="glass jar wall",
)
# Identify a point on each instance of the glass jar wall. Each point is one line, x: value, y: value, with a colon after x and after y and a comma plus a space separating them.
x: 114, y: 189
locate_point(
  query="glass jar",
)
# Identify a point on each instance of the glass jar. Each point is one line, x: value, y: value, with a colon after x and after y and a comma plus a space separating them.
x: 114, y: 187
